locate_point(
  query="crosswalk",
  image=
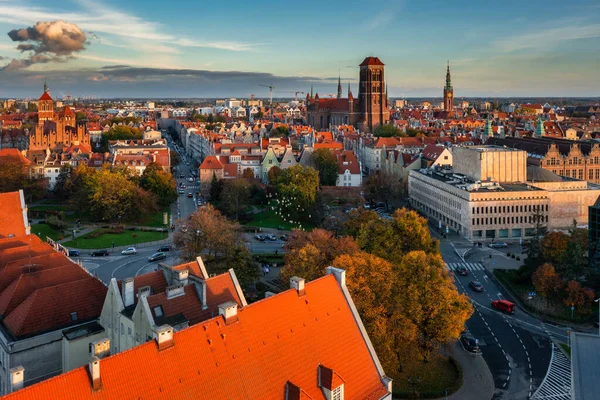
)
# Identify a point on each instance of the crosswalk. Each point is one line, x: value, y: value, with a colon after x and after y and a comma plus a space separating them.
x: 557, y: 383
x: 468, y: 266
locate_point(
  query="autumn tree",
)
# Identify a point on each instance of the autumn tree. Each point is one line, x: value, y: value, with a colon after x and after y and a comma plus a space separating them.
x: 384, y: 187
x: 159, y: 182
x: 13, y: 174
x: 248, y: 173
x: 554, y: 247
x: 273, y: 174
x: 428, y: 302
x: 235, y: 195
x: 577, y: 296
x: 357, y: 218
x: 546, y: 282
x: 325, y: 162
x: 310, y: 253
x: 406, y: 231
x: 220, y: 243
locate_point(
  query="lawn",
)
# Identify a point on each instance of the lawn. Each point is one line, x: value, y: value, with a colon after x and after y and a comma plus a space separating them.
x: 430, y: 379
x: 566, y: 348
x: 54, y: 207
x: 155, y: 219
x: 268, y: 219
x: 120, y: 239
x: 44, y: 230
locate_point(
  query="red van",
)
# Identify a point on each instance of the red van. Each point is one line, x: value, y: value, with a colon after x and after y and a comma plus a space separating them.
x: 504, y: 305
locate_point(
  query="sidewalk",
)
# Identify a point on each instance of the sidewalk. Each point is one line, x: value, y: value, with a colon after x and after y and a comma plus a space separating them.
x: 478, y: 383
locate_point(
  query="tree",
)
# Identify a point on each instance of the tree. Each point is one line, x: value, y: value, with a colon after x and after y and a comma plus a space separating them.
x: 534, y: 251
x: 216, y: 186
x: 64, y: 185
x: 274, y: 174
x: 577, y: 296
x: 387, y: 130
x: 406, y: 231
x: 381, y: 186
x: 297, y: 189
x: 357, y: 218
x: 13, y: 174
x: 280, y: 131
x: 159, y: 182
x: 80, y: 116
x: 248, y: 173
x: 554, y: 247
x: 259, y: 115
x: 546, y: 282
x: 325, y: 162
x: 428, y: 302
x: 576, y: 251
x: 235, y: 195
x: 219, y: 242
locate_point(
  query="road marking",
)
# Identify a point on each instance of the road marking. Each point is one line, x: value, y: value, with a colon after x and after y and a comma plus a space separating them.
x: 141, y: 268
x: 121, y: 266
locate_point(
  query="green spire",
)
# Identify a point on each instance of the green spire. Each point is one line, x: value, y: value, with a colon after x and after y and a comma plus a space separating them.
x: 311, y: 90
x: 339, y: 93
x: 488, y: 132
x: 448, y: 79
x: 45, y: 86
x: 539, y: 129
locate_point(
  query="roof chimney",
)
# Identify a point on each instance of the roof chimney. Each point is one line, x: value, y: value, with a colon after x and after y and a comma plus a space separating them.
x: 340, y: 275
x: 100, y: 348
x: 144, y: 291
x: 298, y: 284
x: 127, y: 291
x: 17, y: 376
x: 94, y: 371
x: 181, y: 276
x: 164, y: 337
x: 229, y: 312
x: 175, y: 290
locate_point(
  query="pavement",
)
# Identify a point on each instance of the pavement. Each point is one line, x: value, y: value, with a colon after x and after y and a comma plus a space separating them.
x: 478, y: 382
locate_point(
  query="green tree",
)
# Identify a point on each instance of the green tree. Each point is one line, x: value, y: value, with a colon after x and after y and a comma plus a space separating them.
x: 325, y: 162
x: 280, y: 131
x: 80, y: 116
x: 297, y: 189
x: 235, y: 195
x: 357, y: 218
x: 63, y: 187
x: 387, y: 130
x: 216, y: 186
x: 159, y: 182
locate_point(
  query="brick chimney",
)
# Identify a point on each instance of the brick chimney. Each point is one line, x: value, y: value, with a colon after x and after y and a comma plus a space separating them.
x: 175, y: 290
x: 17, y: 377
x: 164, y: 337
x: 144, y: 292
x: 298, y: 284
x: 127, y: 291
x: 229, y: 312
x: 182, y: 276
x: 94, y: 370
x: 100, y: 348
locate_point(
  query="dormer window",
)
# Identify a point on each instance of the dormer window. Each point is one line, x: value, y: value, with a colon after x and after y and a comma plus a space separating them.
x: 331, y: 383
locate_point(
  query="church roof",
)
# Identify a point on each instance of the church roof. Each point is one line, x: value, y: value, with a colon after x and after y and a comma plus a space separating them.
x: 371, y: 61
x: 45, y: 96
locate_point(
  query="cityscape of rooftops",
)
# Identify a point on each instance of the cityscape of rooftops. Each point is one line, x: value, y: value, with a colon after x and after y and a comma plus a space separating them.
x: 318, y: 200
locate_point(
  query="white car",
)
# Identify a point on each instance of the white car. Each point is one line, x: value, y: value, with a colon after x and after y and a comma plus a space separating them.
x: 129, y: 251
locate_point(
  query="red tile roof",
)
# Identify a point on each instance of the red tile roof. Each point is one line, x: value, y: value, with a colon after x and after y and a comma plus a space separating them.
x: 371, y: 61
x: 432, y: 151
x: 347, y: 161
x: 331, y: 146
x: 14, y: 269
x: 12, y: 221
x: 45, y: 96
x: 281, y: 339
x: 230, y: 170
x: 211, y: 162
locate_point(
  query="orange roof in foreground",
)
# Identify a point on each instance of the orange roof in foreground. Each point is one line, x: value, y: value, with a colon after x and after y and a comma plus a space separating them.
x: 279, y: 339
x: 11, y: 217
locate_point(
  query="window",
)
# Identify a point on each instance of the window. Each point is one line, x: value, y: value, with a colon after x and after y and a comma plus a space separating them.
x: 122, y: 329
x: 74, y: 316
x: 338, y: 393
x: 270, y: 161
x: 158, y: 311
x: 129, y: 331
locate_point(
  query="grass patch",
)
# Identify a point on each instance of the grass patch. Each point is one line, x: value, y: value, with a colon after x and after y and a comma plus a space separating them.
x: 269, y: 258
x: 54, y: 207
x: 155, y: 219
x: 429, y: 380
x: 44, y: 230
x: 120, y: 239
x: 566, y: 348
x: 268, y: 219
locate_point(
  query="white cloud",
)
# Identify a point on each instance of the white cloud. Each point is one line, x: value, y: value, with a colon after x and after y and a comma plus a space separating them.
x: 383, y: 18
x: 546, y: 38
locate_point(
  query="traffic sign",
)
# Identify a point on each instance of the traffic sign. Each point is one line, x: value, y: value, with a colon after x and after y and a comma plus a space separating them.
x: 532, y: 294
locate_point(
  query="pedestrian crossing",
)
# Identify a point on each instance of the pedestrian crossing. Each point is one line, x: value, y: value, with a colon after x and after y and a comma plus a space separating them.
x: 468, y: 266
x: 557, y: 383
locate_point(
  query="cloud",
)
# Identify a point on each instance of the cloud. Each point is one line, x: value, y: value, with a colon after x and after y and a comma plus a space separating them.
x: 547, y: 38
x: 46, y: 41
x: 382, y: 18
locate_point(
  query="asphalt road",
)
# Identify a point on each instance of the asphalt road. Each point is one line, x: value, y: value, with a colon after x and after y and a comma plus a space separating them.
x: 516, y: 348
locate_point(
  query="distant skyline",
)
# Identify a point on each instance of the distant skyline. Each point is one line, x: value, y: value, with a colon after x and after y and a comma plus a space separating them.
x: 192, y: 49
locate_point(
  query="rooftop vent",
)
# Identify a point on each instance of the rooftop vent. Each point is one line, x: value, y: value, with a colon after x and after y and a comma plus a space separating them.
x: 229, y: 312
x: 164, y: 337
x: 17, y: 376
x: 298, y: 284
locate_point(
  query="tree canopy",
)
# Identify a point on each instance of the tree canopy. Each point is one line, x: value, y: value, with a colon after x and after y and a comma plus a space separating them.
x: 159, y: 182
x: 387, y: 130
x: 297, y: 189
x: 325, y: 162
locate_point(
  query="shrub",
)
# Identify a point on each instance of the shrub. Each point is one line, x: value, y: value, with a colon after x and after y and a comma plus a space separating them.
x: 518, y: 258
x: 508, y: 254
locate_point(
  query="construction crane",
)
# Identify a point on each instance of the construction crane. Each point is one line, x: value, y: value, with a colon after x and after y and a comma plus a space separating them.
x: 296, y: 93
x: 271, y: 87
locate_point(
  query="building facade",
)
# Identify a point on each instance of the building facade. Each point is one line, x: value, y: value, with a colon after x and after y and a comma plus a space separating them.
x: 448, y: 91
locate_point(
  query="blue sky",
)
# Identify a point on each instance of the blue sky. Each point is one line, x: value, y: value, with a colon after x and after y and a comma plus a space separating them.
x: 211, y: 49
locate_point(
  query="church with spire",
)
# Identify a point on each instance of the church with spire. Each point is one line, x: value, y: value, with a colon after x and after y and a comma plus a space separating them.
x: 366, y: 112
x: 55, y: 129
x: 448, y: 92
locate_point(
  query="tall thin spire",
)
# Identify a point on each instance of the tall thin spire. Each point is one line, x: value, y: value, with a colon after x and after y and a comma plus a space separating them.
x: 448, y: 79
x: 349, y: 89
x: 339, y: 93
x: 45, y: 86
x: 311, y: 90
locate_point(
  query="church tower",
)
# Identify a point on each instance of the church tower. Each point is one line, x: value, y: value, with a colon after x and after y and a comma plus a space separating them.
x: 371, y: 94
x: 448, y: 92
x: 339, y: 93
x: 45, y: 107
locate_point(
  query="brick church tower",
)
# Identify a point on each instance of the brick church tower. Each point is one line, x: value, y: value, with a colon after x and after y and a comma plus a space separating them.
x: 371, y: 94
x: 448, y: 92
x: 45, y: 107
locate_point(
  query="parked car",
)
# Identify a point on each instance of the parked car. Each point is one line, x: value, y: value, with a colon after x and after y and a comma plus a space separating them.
x: 190, y: 195
x: 469, y: 343
x: 260, y: 238
x: 181, y: 176
x: 498, y: 245
x: 284, y: 238
x: 100, y: 253
x: 504, y: 306
x: 463, y: 271
x: 476, y: 286
x: 191, y: 179
x: 164, y: 248
x: 128, y: 251
x: 157, y: 256
x: 74, y: 253
x: 181, y: 191
x: 271, y: 237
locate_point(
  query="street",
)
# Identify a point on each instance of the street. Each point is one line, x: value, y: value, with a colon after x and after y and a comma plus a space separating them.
x: 517, y: 348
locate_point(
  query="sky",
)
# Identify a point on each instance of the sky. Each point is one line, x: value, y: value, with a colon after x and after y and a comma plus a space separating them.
x: 200, y: 48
